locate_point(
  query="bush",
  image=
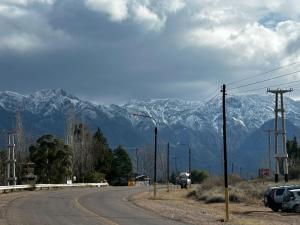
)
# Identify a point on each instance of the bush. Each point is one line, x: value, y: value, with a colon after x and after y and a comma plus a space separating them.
x: 294, y: 173
x: 212, y: 191
x: 94, y: 177
x: 198, y: 176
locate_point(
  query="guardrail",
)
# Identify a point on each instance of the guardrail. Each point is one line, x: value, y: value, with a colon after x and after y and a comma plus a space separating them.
x: 12, y: 188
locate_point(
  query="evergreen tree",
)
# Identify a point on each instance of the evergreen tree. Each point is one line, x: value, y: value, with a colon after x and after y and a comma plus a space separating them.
x: 52, y: 159
x: 294, y: 158
x: 198, y: 176
x: 121, y: 167
x: 102, y: 154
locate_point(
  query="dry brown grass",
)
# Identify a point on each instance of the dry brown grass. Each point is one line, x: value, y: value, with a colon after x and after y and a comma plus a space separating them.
x: 212, y: 190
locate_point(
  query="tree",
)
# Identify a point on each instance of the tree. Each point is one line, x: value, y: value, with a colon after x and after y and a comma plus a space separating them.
x: 52, y: 159
x: 102, y: 154
x: 293, y: 151
x: 121, y: 167
x: 82, y: 150
x: 198, y: 176
x: 294, y: 158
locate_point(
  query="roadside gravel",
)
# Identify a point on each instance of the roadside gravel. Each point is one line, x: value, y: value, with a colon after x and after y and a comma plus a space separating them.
x: 177, y: 206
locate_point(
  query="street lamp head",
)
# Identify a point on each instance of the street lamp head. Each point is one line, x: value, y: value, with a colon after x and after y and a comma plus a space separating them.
x: 145, y: 116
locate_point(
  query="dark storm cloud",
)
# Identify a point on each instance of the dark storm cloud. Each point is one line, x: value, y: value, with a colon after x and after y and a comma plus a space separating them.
x: 67, y: 45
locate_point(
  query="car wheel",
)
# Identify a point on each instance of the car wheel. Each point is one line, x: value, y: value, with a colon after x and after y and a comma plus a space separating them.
x: 275, y: 209
x: 296, y: 209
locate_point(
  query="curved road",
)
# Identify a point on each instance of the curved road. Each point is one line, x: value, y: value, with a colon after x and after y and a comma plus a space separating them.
x: 87, y: 206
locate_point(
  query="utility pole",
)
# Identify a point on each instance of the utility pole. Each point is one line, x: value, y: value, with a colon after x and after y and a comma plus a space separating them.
x: 269, y: 149
x: 155, y: 153
x: 225, y: 153
x: 155, y: 146
x: 11, y: 161
x: 190, y: 166
x: 175, y: 161
x: 283, y: 153
x: 168, y: 166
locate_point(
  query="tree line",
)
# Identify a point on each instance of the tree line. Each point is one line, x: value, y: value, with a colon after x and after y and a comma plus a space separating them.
x: 87, y: 158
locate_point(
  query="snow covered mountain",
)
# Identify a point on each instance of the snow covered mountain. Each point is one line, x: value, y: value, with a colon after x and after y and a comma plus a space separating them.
x: 178, y: 121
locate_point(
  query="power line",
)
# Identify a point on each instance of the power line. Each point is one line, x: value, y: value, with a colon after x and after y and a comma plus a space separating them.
x: 265, y: 80
x: 265, y: 87
x: 208, y: 96
x: 263, y: 73
x: 214, y: 97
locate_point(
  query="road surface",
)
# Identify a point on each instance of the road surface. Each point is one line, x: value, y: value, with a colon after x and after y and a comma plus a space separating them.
x: 83, y: 206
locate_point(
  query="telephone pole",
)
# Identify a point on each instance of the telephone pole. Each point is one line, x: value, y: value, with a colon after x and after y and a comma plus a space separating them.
x: 190, y: 166
x: 168, y: 166
x: 225, y: 153
x: 283, y: 153
x: 269, y: 149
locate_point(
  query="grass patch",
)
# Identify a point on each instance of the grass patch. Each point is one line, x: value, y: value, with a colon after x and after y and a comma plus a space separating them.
x: 212, y: 190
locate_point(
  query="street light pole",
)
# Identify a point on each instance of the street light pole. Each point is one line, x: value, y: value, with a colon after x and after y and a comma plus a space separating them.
x: 155, y: 147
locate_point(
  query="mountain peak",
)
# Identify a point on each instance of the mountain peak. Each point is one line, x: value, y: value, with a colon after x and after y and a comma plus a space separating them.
x: 50, y: 93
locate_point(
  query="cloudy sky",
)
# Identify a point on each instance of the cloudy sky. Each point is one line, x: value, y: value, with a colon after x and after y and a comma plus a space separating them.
x: 110, y: 51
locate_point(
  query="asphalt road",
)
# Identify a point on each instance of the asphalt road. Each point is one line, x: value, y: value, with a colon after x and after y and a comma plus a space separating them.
x: 88, y: 206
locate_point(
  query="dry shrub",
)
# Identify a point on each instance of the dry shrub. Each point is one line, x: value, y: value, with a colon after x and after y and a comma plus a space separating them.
x: 212, y: 182
x: 234, y: 179
x: 212, y: 190
x: 215, y: 199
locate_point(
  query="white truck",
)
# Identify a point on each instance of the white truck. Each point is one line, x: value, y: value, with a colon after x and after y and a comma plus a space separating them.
x: 184, y: 180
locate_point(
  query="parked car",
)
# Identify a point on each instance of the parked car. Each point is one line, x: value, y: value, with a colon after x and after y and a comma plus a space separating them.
x: 273, y: 197
x: 184, y: 180
x: 291, y: 201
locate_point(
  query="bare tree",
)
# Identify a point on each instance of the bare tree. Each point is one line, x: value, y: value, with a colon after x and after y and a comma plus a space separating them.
x: 70, y: 135
x: 83, y: 151
x: 21, y: 146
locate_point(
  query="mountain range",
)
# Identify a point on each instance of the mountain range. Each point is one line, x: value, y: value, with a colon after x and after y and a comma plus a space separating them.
x: 195, y: 123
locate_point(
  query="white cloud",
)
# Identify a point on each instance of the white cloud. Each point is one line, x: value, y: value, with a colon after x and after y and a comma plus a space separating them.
x: 143, y: 16
x: 28, y: 2
x: 238, y: 30
x: 12, y: 11
x: 25, y: 30
x: 20, y: 42
x: 172, y: 6
x: 116, y: 9
x: 150, y: 14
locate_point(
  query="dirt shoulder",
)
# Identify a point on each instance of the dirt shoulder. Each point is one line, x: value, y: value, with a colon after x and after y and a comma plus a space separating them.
x: 176, y: 205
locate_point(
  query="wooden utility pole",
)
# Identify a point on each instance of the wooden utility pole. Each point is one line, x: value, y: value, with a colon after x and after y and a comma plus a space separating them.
x: 155, y: 156
x: 283, y: 153
x: 225, y: 153
x: 190, y: 165
x: 168, y: 167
